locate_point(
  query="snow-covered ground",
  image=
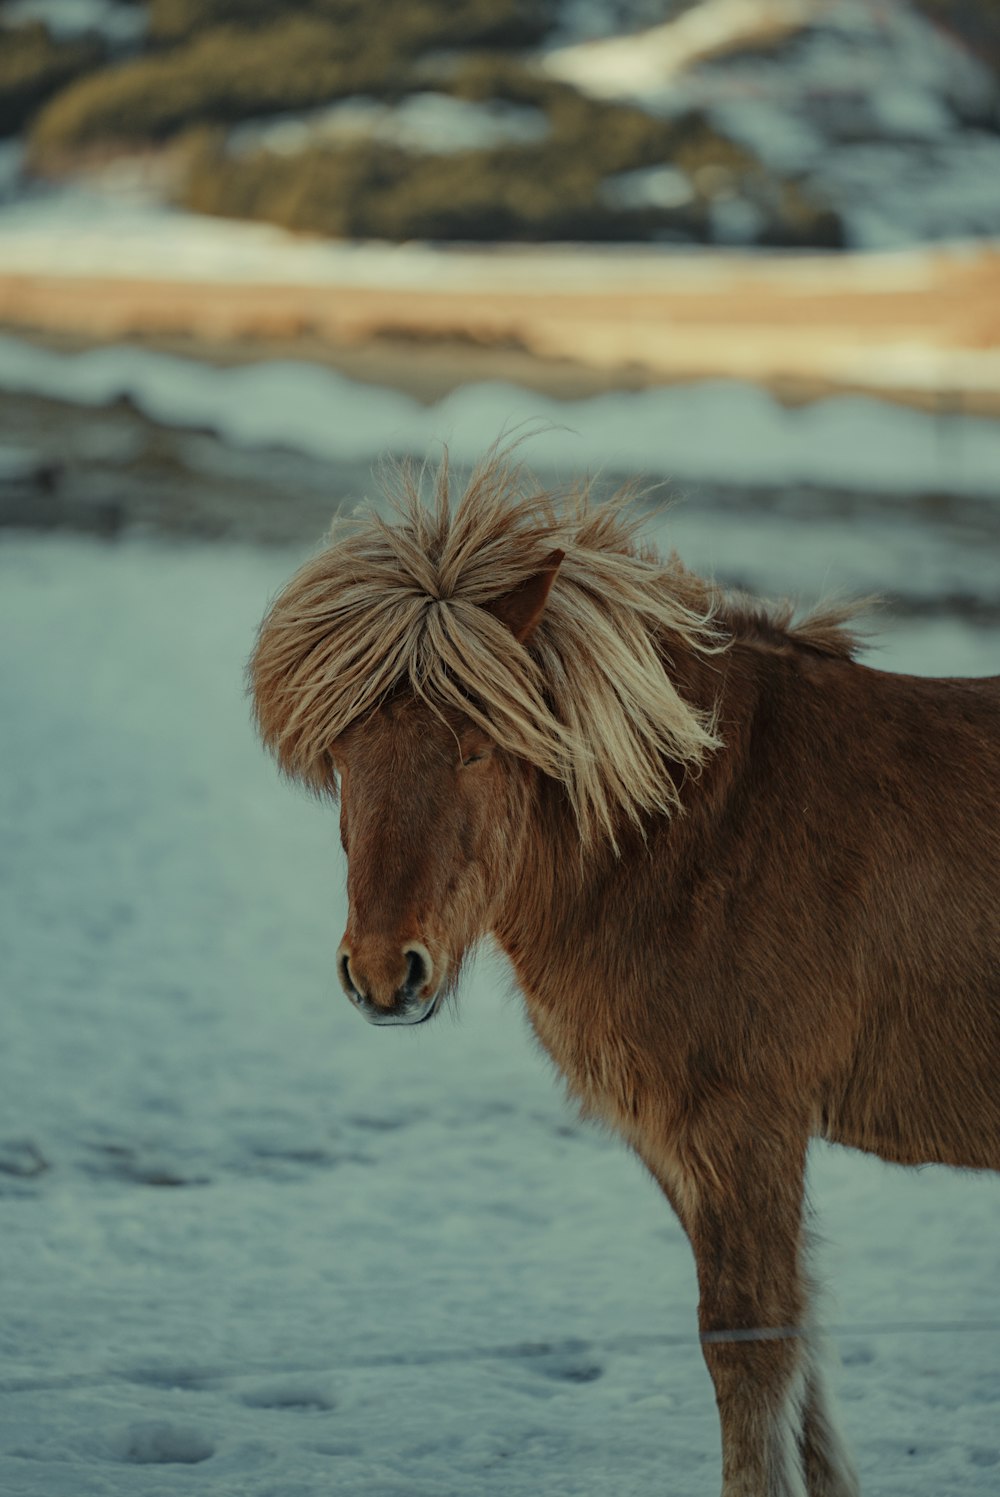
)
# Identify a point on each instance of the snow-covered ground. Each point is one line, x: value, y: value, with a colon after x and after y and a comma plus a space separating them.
x: 611, y: 65
x: 255, y: 1248
x: 889, y: 119
x: 119, y: 24
x: 114, y: 228
x: 115, y: 223
x: 874, y: 109
x: 721, y: 429
x: 438, y: 124
x: 590, y: 20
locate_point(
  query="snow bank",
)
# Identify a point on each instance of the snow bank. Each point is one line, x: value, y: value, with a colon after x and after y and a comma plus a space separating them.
x: 114, y: 225
x: 717, y: 430
x: 886, y: 116
x: 633, y: 64
x: 11, y: 166
x: 119, y: 23
x: 438, y: 124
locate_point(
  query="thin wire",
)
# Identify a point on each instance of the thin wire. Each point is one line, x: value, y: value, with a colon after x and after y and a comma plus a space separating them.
x: 514, y: 1351
x: 872, y: 1328
x: 639, y: 1340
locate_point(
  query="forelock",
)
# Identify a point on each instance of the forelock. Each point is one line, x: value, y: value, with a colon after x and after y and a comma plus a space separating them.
x: 402, y: 601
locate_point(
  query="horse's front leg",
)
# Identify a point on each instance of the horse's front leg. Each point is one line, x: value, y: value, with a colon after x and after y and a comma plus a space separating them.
x: 739, y: 1194
x: 829, y: 1468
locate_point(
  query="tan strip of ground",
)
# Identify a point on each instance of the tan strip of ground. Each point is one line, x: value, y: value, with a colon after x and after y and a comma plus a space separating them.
x: 934, y: 336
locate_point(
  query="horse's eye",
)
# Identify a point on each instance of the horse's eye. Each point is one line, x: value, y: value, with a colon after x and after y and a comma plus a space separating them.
x: 473, y: 759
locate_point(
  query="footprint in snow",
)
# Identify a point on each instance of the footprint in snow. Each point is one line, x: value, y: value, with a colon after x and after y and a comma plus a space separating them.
x: 21, y: 1157
x: 565, y: 1364
x: 160, y: 1443
x: 137, y: 1166
x: 166, y: 1376
x: 575, y: 1370
x: 298, y: 1396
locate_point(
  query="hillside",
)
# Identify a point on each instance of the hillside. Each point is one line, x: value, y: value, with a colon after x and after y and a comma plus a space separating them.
x: 741, y: 122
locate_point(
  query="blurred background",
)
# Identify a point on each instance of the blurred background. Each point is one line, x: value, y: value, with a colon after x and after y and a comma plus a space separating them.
x: 746, y: 250
x: 745, y: 247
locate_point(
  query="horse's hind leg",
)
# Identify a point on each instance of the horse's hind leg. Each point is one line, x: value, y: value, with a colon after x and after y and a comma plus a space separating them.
x: 740, y: 1197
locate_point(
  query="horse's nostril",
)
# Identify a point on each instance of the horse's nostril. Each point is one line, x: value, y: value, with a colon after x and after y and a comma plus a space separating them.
x: 418, y: 969
x: 346, y: 980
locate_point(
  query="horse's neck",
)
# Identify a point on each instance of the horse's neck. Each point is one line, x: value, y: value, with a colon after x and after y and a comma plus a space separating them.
x: 570, y: 910
x: 591, y: 936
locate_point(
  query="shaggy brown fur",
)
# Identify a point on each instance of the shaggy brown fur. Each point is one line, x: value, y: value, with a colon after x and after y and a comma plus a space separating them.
x: 750, y: 887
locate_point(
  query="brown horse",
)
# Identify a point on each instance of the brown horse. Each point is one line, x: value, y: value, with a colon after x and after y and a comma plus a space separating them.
x: 750, y: 888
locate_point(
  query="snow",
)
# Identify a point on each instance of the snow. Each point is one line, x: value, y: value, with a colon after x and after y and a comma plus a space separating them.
x: 437, y: 124
x: 255, y: 1248
x: 894, y: 195
x: 882, y: 114
x: 720, y: 430
x: 647, y: 59
x: 879, y: 113
x: 586, y: 20
x: 647, y: 187
x: 114, y: 224
x: 119, y: 23
x: 11, y: 166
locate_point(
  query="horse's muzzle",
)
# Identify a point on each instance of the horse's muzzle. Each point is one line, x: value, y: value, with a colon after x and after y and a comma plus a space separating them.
x: 373, y: 984
x: 417, y: 1013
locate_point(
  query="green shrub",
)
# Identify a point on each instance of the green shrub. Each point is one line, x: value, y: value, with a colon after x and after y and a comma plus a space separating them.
x: 33, y: 67
x: 228, y: 73
x: 548, y: 190
x: 412, y: 23
x: 375, y: 191
x: 614, y: 137
x: 482, y: 76
x: 221, y: 77
x: 528, y: 193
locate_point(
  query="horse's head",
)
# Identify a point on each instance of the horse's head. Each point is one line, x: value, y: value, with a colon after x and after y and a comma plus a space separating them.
x: 428, y: 812
x: 429, y: 674
x: 431, y: 817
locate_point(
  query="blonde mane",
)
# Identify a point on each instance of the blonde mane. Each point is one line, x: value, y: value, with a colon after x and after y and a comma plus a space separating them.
x: 405, y: 605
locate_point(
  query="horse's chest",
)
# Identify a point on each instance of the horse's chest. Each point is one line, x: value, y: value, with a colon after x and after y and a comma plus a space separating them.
x: 600, y: 1063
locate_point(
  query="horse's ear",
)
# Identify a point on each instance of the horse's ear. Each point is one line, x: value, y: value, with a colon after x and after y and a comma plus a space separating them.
x: 522, y: 608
